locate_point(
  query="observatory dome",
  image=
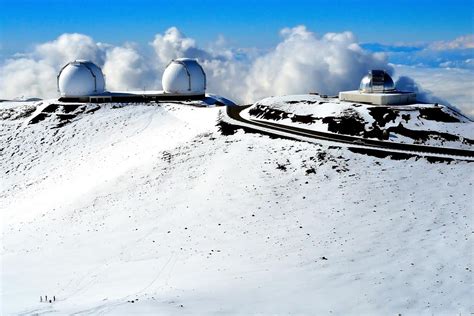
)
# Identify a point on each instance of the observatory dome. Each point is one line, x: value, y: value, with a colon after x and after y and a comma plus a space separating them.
x: 80, y: 78
x: 184, y: 76
x: 377, y: 81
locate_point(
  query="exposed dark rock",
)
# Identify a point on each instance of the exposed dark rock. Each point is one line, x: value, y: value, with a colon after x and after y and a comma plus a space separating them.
x: 305, y: 119
x: 349, y: 123
x: 38, y: 118
x: 68, y: 108
x: 437, y: 114
x: 376, y: 132
x: 302, y: 101
x: 382, y: 115
x: 381, y: 154
x: 439, y: 159
x: 264, y: 112
x: 398, y: 156
x: 468, y: 141
x: 63, y: 117
x: 227, y: 129
x: 421, y: 136
x: 50, y: 108
x: 267, y: 113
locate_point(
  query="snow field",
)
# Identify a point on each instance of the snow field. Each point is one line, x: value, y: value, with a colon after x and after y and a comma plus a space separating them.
x: 149, y: 210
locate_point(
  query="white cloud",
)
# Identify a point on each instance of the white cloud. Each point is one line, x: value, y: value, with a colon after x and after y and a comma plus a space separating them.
x: 34, y: 73
x: 125, y: 68
x: 462, y: 42
x: 302, y: 62
x: 25, y: 77
x: 299, y: 64
x: 453, y: 87
x: 69, y: 47
x: 456, y: 53
x: 173, y: 44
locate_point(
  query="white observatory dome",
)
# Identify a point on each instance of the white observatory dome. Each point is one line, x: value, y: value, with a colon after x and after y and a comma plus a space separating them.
x: 377, y: 81
x: 80, y: 78
x: 184, y: 76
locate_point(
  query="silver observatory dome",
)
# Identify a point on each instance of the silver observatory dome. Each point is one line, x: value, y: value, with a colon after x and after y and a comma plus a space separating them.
x: 377, y: 81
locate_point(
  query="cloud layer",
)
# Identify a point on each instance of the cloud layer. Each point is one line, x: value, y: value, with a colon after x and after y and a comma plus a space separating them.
x: 302, y: 62
x: 458, y: 53
x: 450, y: 86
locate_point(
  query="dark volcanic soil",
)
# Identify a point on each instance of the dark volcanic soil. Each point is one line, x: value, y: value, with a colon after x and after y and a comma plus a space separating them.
x: 349, y: 122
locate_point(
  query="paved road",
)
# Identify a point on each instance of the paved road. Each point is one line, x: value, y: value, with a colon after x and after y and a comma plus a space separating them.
x: 234, y: 113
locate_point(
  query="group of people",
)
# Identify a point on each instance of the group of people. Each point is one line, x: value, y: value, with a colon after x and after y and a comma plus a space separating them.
x: 46, y: 299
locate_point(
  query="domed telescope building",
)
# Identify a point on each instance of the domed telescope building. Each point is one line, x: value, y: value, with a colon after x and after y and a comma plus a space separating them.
x: 378, y: 88
x: 184, y: 76
x: 80, y: 78
x: 183, y: 80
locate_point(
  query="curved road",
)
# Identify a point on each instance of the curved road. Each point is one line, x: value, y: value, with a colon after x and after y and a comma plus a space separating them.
x: 234, y: 113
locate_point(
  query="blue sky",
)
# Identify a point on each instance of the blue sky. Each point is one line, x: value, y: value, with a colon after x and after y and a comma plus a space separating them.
x: 243, y: 23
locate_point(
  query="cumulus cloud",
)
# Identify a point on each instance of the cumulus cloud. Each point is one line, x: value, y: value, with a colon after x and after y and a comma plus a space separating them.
x: 34, y: 73
x: 25, y: 77
x: 69, y: 47
x: 226, y: 70
x: 302, y: 62
x: 126, y: 69
x: 173, y: 44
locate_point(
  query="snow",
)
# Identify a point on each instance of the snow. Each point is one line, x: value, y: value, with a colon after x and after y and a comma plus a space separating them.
x: 147, y: 209
x: 320, y: 107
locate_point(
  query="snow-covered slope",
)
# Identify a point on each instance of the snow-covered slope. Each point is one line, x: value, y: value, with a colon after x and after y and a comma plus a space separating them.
x: 148, y: 209
x: 427, y: 124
